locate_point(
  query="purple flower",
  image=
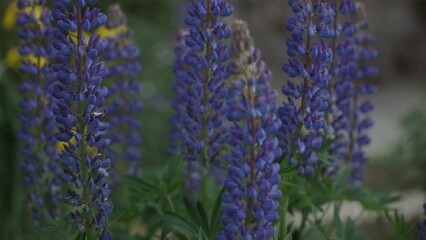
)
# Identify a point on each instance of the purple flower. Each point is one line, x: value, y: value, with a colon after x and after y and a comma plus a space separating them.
x: 344, y: 71
x: 252, y: 194
x: 202, y: 90
x: 79, y: 112
x: 362, y: 106
x: 38, y: 122
x: 179, y: 88
x: 310, y: 57
x: 124, y: 94
x: 422, y: 226
x: 350, y: 105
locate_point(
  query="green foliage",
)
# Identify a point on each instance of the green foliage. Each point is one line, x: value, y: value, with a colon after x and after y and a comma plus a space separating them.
x: 312, y: 197
x: 196, y: 222
x: 411, y: 147
x: 399, y: 225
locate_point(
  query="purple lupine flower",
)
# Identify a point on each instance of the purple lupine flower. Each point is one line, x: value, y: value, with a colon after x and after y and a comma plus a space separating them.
x: 422, y: 226
x: 192, y: 169
x: 38, y: 122
x: 203, y: 94
x: 362, y: 106
x: 79, y: 111
x: 124, y: 92
x: 251, y: 199
x: 178, y: 103
x: 310, y: 57
x: 344, y: 70
x: 350, y: 65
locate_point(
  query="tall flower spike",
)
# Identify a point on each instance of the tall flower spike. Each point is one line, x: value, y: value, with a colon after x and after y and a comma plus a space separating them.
x: 38, y: 122
x: 124, y: 102
x: 79, y: 112
x: 201, y: 116
x: 422, y: 226
x: 252, y: 179
x: 344, y: 71
x: 309, y: 59
x: 179, y: 88
x: 362, y: 106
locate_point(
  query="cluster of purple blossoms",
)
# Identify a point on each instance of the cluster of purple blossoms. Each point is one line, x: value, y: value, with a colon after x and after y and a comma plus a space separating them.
x: 422, y: 226
x: 303, y: 114
x: 350, y: 109
x: 252, y: 194
x: 362, y: 106
x: 124, y: 103
x: 202, y: 87
x: 344, y: 70
x: 38, y: 122
x: 178, y: 103
x: 79, y: 110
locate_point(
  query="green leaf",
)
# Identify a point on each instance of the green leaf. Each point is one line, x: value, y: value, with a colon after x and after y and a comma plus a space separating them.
x: 138, y: 184
x: 203, y: 217
x: 318, y: 233
x: 202, y: 234
x: 215, y: 216
x: 402, y: 229
x: 192, y: 212
x: 177, y: 223
x: 80, y: 236
x: 337, y: 222
x: 289, y: 236
x: 350, y: 229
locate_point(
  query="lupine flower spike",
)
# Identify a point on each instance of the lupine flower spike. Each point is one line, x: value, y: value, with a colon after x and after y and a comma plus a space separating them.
x: 344, y: 70
x: 124, y: 103
x: 303, y: 114
x: 179, y: 87
x: 203, y: 127
x: 38, y: 122
x: 79, y: 112
x: 362, y: 106
x: 251, y: 199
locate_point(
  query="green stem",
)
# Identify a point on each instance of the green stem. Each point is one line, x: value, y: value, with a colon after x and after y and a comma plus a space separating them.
x: 283, y: 212
x: 250, y: 99
x: 304, y: 220
x: 204, y: 101
x: 172, y: 206
x: 82, y: 130
x: 40, y: 188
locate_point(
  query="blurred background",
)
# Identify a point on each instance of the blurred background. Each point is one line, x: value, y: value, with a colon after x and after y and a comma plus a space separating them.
x: 398, y: 150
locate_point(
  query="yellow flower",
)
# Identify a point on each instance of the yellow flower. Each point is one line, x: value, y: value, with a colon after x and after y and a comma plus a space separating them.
x: 13, y: 59
x: 11, y: 14
x: 60, y: 146
x: 73, y: 36
x: 108, y: 33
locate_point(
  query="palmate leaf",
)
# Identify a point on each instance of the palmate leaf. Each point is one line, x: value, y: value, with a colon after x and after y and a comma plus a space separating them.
x: 196, y: 223
x: 174, y: 222
x: 139, y: 185
x: 402, y: 229
x: 215, y: 215
x: 55, y: 230
x: 318, y: 232
x: 198, y: 219
x: 289, y: 236
x: 202, y: 235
